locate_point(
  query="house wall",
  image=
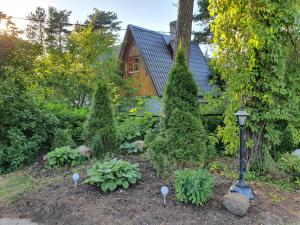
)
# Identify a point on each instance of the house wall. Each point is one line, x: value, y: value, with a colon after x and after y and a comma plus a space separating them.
x: 141, y: 79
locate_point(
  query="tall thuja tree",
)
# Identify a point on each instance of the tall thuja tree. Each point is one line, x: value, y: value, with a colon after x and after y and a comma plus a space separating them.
x: 100, y: 120
x: 182, y: 130
x: 258, y: 57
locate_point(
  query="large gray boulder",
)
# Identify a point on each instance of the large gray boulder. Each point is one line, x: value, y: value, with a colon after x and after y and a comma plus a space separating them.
x: 236, y: 203
x: 85, y: 151
x: 296, y: 153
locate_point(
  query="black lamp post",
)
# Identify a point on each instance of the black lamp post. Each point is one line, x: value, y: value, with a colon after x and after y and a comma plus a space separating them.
x: 241, y: 186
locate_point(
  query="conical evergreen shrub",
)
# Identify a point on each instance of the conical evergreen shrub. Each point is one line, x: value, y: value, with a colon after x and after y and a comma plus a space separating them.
x: 181, y: 128
x: 100, y: 119
x: 97, y: 147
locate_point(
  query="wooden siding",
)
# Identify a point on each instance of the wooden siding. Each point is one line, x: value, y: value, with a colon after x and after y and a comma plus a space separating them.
x: 142, y: 80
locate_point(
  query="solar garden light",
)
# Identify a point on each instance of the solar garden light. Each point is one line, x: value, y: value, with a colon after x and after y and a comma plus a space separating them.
x: 164, y: 191
x: 241, y: 186
x: 75, y: 178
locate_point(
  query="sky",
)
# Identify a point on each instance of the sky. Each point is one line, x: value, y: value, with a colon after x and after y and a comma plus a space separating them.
x: 151, y: 14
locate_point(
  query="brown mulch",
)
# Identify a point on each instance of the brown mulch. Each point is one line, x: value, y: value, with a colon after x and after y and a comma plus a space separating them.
x: 62, y: 204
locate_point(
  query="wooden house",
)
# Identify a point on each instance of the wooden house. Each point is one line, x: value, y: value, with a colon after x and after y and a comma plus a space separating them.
x: 147, y: 57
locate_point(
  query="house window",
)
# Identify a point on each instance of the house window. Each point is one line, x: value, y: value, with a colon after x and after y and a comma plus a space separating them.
x: 133, y: 64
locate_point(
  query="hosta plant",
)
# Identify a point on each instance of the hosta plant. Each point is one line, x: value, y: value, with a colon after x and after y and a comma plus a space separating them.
x: 64, y: 156
x: 193, y: 186
x: 131, y: 148
x: 113, y: 174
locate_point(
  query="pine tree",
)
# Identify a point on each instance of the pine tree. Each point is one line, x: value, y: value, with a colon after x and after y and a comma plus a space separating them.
x: 35, y: 28
x: 56, y: 28
x: 100, y: 120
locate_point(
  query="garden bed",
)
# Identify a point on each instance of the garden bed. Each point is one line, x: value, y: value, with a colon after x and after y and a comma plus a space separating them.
x: 60, y: 203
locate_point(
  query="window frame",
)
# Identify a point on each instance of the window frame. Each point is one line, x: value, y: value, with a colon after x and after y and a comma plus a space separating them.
x: 133, y: 64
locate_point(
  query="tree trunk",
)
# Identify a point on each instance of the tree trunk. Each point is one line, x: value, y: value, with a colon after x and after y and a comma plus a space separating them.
x: 184, y: 25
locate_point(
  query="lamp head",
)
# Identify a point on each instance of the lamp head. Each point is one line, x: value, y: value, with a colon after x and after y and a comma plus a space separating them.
x: 242, y: 116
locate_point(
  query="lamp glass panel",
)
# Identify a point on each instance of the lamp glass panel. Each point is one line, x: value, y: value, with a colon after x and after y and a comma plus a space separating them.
x: 242, y: 120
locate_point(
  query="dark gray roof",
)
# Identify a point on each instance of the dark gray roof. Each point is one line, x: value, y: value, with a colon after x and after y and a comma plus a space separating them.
x: 157, y: 57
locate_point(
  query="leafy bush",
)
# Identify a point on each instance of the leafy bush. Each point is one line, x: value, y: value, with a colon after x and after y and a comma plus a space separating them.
x: 193, y: 186
x: 64, y: 156
x: 216, y: 166
x: 290, y: 164
x: 97, y: 147
x: 62, y: 138
x: 132, y: 128
x: 100, y: 118
x: 26, y: 129
x: 70, y: 118
x: 112, y: 174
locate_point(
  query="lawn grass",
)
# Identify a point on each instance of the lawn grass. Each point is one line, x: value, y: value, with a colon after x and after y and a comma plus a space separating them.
x: 14, y: 185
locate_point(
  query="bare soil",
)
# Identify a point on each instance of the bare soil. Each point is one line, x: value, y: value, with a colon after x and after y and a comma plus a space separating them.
x: 60, y: 203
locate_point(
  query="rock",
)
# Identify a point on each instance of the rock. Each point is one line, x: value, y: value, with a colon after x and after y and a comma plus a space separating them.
x: 296, y: 153
x: 139, y: 144
x: 85, y: 151
x: 236, y: 203
x: 45, y: 157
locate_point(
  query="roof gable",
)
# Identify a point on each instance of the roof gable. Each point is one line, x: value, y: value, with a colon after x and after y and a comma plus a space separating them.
x: 157, y: 57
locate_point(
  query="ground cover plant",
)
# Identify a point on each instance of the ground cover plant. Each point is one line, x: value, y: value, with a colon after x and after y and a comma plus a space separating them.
x: 110, y: 175
x: 193, y: 186
x: 64, y: 156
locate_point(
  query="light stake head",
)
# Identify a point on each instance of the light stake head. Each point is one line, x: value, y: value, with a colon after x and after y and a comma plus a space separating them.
x: 164, y: 191
x: 242, y: 116
x: 75, y: 177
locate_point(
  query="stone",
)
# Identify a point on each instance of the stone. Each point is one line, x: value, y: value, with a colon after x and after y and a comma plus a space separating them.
x: 15, y: 221
x: 45, y: 157
x: 236, y: 203
x: 139, y: 144
x: 85, y: 151
x: 296, y: 153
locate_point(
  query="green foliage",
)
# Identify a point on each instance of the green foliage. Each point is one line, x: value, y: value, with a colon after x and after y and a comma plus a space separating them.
x: 62, y: 138
x: 70, y: 118
x: 258, y: 58
x: 101, y: 20
x: 100, y: 118
x: 132, y: 128
x: 193, y: 186
x: 97, y: 146
x: 64, y: 156
x: 70, y: 76
x: 112, y: 174
x: 25, y: 128
x: 181, y: 135
x: 203, y: 19
x: 131, y: 148
x: 290, y: 164
x: 216, y: 166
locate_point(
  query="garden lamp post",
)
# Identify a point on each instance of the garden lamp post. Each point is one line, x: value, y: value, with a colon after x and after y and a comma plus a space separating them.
x: 241, y: 186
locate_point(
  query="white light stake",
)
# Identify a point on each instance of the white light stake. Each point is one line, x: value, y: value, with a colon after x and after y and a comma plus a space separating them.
x: 75, y: 178
x: 164, y: 191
